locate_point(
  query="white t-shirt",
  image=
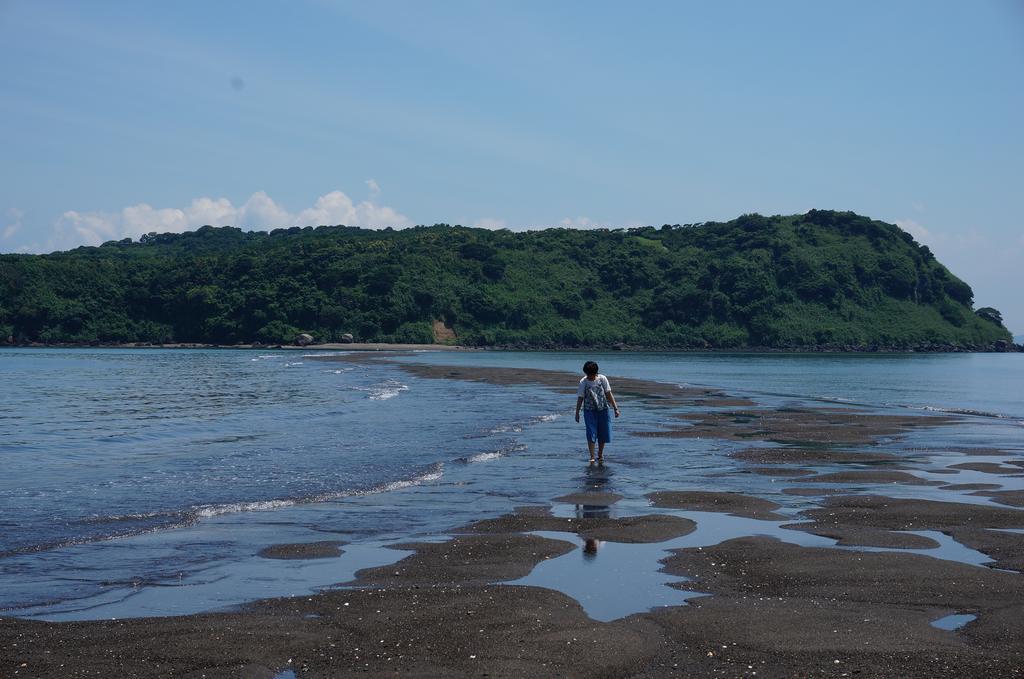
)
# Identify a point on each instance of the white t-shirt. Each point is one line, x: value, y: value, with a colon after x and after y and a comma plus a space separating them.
x: 593, y: 393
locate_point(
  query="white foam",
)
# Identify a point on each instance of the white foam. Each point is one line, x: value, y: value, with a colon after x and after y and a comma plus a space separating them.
x: 493, y: 454
x: 385, y: 394
x: 208, y: 511
x: 548, y: 418
x: 385, y: 390
x: 435, y: 473
x: 506, y: 429
x: 954, y: 411
x: 484, y: 457
x: 408, y: 483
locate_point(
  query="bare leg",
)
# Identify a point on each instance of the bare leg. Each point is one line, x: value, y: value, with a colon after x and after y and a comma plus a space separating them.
x: 590, y: 447
x: 600, y: 451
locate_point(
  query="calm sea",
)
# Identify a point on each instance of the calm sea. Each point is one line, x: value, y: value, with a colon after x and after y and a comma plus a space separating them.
x: 144, y: 482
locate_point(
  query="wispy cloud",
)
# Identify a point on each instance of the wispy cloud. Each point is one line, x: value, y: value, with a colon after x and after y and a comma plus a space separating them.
x: 490, y: 223
x: 12, y: 223
x: 259, y: 211
x: 584, y: 223
x: 920, y: 233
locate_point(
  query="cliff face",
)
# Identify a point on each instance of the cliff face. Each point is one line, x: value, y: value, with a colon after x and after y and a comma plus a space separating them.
x: 822, y: 279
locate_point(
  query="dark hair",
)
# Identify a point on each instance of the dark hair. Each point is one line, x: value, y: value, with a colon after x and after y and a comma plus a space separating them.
x: 590, y: 368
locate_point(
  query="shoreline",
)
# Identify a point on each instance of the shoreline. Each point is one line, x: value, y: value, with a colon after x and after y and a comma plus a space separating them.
x: 773, y: 607
x: 924, y: 348
x: 777, y: 608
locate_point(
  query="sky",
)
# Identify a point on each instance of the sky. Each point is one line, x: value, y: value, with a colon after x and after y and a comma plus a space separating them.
x: 123, y: 118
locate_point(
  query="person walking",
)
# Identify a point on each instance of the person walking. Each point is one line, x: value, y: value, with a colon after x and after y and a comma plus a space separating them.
x: 594, y: 395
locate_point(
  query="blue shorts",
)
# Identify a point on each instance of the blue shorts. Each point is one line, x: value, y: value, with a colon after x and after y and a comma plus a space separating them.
x: 599, y: 425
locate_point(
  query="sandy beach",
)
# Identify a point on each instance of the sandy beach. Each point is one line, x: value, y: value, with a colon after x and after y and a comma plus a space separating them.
x: 769, y: 608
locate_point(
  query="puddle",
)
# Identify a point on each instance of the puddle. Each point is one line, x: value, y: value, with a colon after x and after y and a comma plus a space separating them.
x: 285, y: 674
x: 953, y: 622
x: 948, y: 549
x: 958, y: 476
x: 612, y: 580
x: 592, y: 511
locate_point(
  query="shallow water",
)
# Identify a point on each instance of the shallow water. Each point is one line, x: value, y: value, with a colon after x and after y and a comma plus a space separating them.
x: 953, y: 622
x: 130, y: 473
x: 612, y: 580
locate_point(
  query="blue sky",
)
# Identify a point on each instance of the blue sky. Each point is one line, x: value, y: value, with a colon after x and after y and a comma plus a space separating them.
x: 120, y: 118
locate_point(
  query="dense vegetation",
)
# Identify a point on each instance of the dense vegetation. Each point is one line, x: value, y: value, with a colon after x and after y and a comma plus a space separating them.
x: 822, y: 278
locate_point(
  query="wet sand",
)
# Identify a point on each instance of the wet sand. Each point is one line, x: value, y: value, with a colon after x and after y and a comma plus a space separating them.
x: 631, y: 529
x: 871, y: 476
x: 812, y: 455
x: 651, y: 392
x: 728, y: 503
x: 774, y: 608
x: 303, y: 550
x: 797, y: 426
x: 786, y: 610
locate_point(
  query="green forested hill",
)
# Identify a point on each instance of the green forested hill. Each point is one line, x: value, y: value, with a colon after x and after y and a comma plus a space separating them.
x: 822, y: 278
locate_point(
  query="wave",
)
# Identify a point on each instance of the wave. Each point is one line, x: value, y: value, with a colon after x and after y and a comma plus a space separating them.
x: 433, y: 473
x: 955, y: 411
x: 384, y: 390
x: 490, y: 455
x: 514, y: 428
x: 972, y: 412
x: 170, y: 519
x: 483, y: 457
x: 207, y: 511
x: 517, y: 427
x: 178, y: 520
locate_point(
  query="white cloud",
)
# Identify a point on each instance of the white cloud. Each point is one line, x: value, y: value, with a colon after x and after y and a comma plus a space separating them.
x: 490, y: 223
x: 582, y: 223
x: 13, y: 225
x: 920, y: 234
x: 259, y: 211
x: 374, y: 187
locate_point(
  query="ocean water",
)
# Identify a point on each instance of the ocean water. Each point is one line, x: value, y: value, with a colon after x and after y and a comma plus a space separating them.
x: 145, y: 482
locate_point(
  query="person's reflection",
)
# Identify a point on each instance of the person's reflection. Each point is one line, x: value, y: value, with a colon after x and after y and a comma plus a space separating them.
x: 593, y: 511
x: 597, y: 477
x: 596, y: 480
x: 590, y: 547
